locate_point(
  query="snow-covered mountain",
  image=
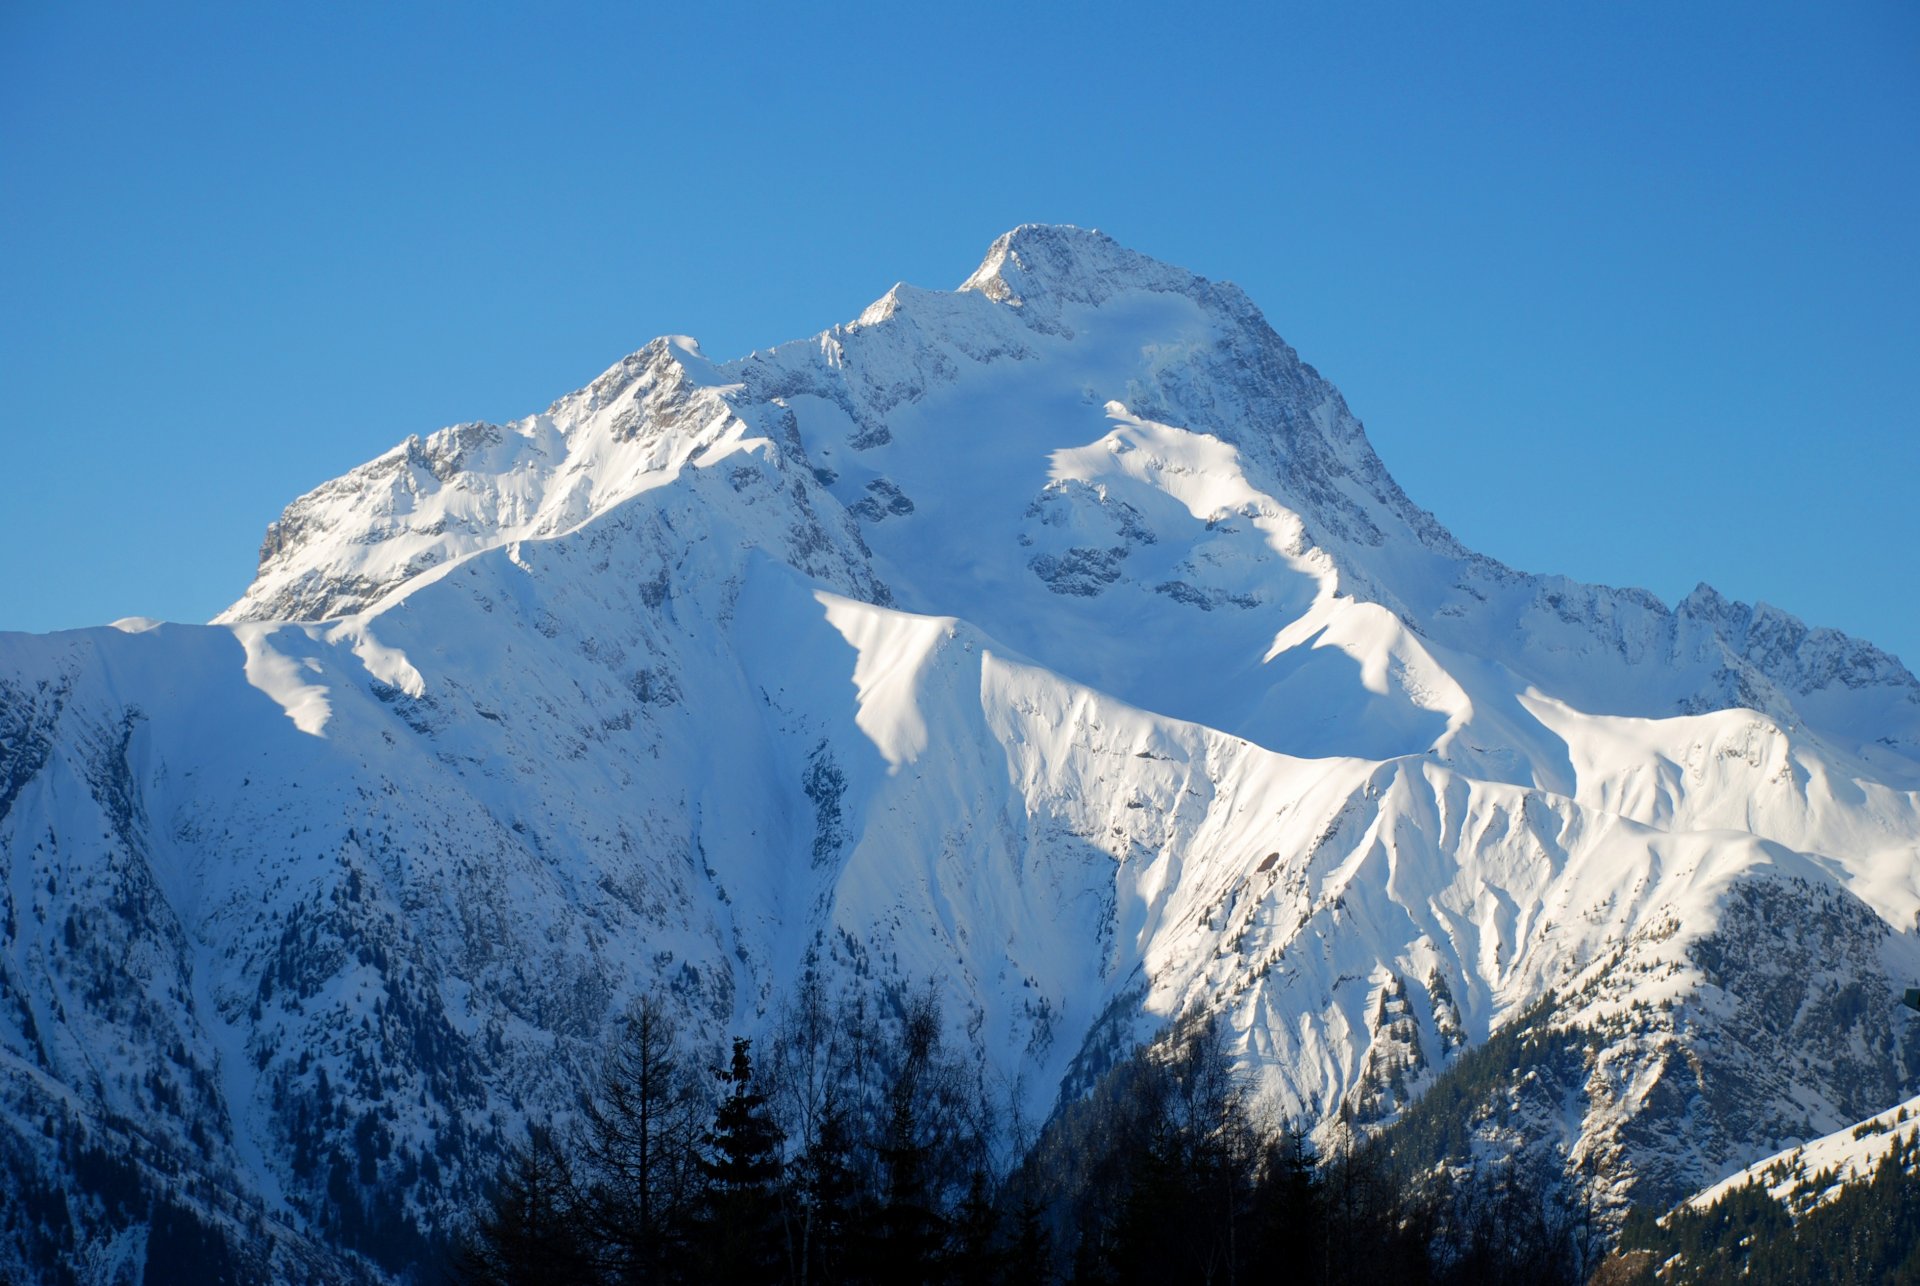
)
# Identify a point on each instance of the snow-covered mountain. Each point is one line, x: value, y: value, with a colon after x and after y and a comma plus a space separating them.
x: 1060, y: 639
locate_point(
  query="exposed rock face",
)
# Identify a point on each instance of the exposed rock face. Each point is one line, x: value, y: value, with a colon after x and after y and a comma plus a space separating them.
x: 1061, y: 640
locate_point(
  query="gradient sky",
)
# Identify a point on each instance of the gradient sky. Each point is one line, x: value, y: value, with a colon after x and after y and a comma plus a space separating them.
x: 1625, y: 291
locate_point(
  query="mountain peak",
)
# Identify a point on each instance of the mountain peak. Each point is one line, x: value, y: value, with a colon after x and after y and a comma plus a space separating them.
x: 1062, y: 264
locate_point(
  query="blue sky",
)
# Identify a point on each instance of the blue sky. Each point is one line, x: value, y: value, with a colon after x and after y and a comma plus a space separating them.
x: 1625, y: 291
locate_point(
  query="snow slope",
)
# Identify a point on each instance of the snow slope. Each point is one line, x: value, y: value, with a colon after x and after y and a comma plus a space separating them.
x: 1059, y: 639
x: 1815, y: 1172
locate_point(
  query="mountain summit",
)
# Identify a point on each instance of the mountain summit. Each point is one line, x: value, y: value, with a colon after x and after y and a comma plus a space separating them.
x: 1050, y: 266
x: 1059, y: 642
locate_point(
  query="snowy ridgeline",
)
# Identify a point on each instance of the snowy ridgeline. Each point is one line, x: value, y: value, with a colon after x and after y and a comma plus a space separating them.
x: 1811, y: 1174
x: 1061, y: 641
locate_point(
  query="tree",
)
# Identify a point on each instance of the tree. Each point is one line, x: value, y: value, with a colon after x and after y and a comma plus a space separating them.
x: 827, y: 1193
x: 738, y: 1222
x: 1287, y: 1217
x: 533, y: 1232
x: 906, y: 1231
x: 931, y: 1143
x: 974, y: 1254
x: 1029, y: 1259
x: 1177, y: 1183
x: 819, y: 1058
x: 641, y: 1140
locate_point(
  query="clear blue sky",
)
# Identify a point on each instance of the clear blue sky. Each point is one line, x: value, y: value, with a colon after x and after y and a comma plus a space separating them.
x: 1625, y: 291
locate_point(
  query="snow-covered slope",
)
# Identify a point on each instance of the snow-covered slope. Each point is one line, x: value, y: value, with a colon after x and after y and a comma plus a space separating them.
x: 1819, y: 1170
x: 1061, y: 640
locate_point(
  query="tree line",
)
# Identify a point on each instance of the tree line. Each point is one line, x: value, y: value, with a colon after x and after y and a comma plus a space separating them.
x: 1868, y: 1233
x: 856, y: 1146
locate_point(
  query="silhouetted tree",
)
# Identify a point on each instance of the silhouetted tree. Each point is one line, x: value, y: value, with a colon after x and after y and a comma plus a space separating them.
x: 642, y: 1129
x: 930, y: 1143
x: 905, y: 1231
x: 533, y: 1232
x: 826, y: 1190
x: 1030, y: 1256
x: 1159, y: 1174
x: 974, y: 1255
x: 820, y: 1057
x: 1498, y: 1229
x: 737, y: 1224
x: 1285, y: 1218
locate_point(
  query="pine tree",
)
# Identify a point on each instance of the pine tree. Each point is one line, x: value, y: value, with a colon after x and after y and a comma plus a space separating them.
x: 906, y: 1231
x: 828, y: 1192
x: 1286, y: 1217
x: 737, y: 1232
x: 974, y: 1256
x: 1030, y: 1258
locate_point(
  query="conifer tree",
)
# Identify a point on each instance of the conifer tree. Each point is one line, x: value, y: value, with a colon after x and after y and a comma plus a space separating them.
x: 827, y: 1189
x: 905, y: 1232
x: 1286, y: 1217
x: 738, y: 1226
x: 1030, y: 1256
x: 974, y: 1255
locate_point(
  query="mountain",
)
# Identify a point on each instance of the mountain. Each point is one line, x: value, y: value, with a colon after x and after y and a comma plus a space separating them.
x: 1060, y: 641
